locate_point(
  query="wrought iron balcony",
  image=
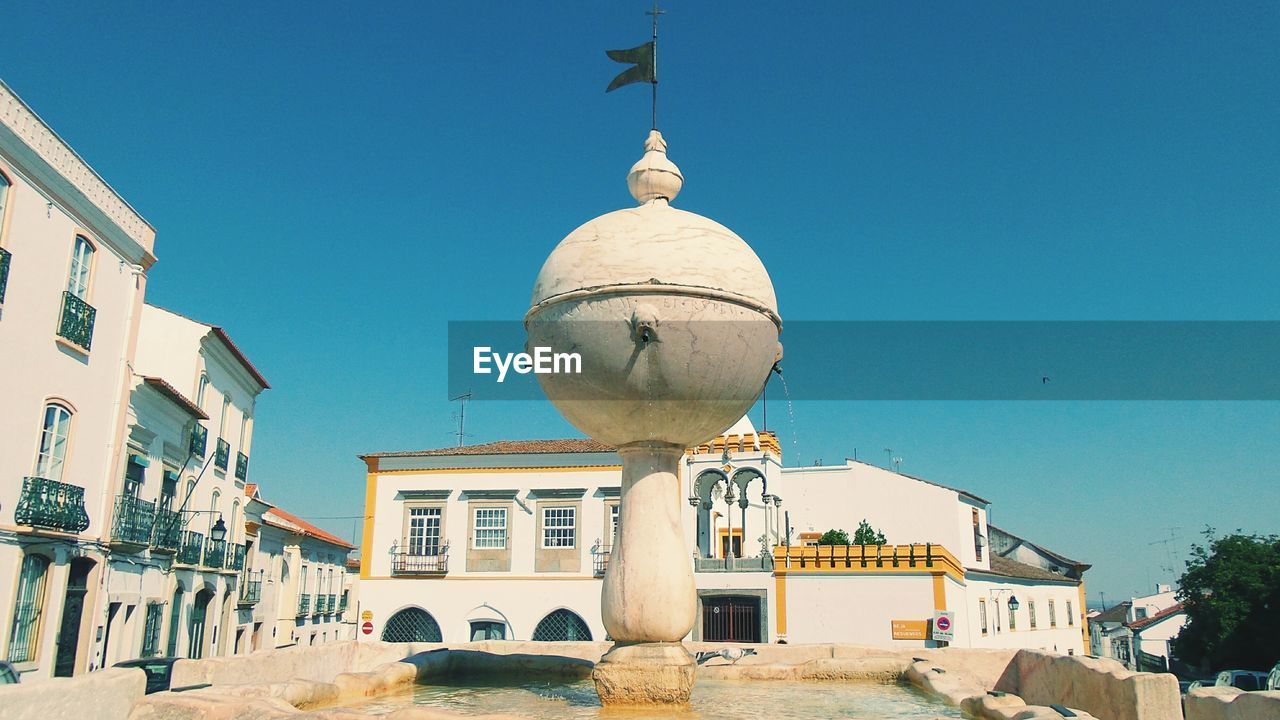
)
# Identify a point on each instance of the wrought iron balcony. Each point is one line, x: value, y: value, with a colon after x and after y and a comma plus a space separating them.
x: 133, y: 523
x: 342, y: 603
x: 250, y: 588
x: 242, y: 466
x: 168, y: 531
x: 5, y: 259
x: 215, y: 553
x: 222, y: 454
x: 190, y: 546
x: 199, y: 440
x: 408, y: 564
x: 52, y: 505
x: 304, y: 605
x: 321, y: 605
x: 331, y: 604
x: 76, y: 324
x: 601, y: 559
x: 235, y: 556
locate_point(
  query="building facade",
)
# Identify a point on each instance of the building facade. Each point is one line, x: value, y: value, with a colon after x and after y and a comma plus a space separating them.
x: 511, y: 539
x: 73, y: 262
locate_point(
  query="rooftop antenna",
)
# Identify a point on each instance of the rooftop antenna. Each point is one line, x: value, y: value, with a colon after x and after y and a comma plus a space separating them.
x: 889, y: 452
x: 897, y: 464
x: 461, y: 415
x: 1174, y: 536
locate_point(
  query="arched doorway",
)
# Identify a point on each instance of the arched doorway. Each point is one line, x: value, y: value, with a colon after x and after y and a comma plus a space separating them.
x: 199, y: 616
x: 175, y: 621
x: 562, y: 625
x: 64, y: 664
x: 411, y: 625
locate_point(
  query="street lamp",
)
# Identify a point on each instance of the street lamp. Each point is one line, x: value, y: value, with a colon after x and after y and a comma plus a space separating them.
x: 1013, y: 603
x: 219, y: 530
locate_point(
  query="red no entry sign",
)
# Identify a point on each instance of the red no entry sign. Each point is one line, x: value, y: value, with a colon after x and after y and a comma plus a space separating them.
x: 367, y: 628
x: 943, y: 623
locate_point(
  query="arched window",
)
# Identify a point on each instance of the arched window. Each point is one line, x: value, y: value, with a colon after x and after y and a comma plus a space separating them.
x: 214, y: 516
x: 4, y: 196
x: 28, y: 609
x: 222, y: 423
x: 201, y: 390
x: 233, y: 529
x: 81, y: 265
x: 411, y: 625
x: 561, y: 625
x: 53, y: 442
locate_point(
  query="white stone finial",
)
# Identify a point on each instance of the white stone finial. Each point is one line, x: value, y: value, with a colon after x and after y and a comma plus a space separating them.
x: 654, y: 177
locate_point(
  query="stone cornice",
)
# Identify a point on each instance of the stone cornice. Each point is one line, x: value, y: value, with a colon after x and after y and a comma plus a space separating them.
x: 45, y: 145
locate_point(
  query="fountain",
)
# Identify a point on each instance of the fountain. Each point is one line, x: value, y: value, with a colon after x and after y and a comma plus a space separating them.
x: 677, y: 325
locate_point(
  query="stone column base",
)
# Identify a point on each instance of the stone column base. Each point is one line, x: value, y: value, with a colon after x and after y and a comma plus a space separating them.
x: 645, y: 674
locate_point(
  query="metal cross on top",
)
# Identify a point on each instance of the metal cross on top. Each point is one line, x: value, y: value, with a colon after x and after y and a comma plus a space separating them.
x: 644, y: 60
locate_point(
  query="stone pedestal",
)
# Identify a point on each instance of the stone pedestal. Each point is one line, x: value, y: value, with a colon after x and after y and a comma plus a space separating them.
x: 645, y: 674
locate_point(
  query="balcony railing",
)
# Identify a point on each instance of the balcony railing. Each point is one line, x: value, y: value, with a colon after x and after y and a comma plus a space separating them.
x: 235, y: 556
x: 764, y: 563
x: 167, y: 532
x: 51, y: 504
x: 331, y: 604
x: 342, y: 604
x: 215, y: 553
x: 134, y: 521
x: 407, y: 564
x: 868, y: 558
x: 199, y: 440
x: 222, y: 454
x: 304, y: 605
x: 322, y: 605
x: 76, y: 324
x: 242, y: 466
x: 250, y: 588
x: 5, y: 259
x: 600, y: 559
x: 190, y: 546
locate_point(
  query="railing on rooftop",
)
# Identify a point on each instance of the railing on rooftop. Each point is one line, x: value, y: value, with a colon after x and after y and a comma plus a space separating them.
x: 133, y: 522
x: 199, y: 440
x: 867, y: 558
x: 242, y: 466
x: 190, y: 547
x: 222, y: 454
x: 409, y: 564
x: 51, y: 505
x: 168, y: 531
x: 76, y: 323
x: 250, y: 587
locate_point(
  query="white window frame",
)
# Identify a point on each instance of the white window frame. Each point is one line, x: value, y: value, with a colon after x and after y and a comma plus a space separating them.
x: 560, y: 526
x: 490, y: 526
x: 615, y: 521
x: 55, y: 438
x: 81, y: 270
x: 425, y: 513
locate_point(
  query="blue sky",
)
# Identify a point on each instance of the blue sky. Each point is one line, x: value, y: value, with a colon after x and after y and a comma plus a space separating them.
x: 334, y: 182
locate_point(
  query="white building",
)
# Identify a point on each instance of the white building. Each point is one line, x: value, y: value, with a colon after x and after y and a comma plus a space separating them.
x: 301, y: 571
x: 1144, y: 624
x: 510, y: 540
x: 73, y: 262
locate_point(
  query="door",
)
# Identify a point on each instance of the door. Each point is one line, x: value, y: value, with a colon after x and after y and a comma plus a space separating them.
x: 733, y: 619
x: 64, y: 664
x: 199, y: 612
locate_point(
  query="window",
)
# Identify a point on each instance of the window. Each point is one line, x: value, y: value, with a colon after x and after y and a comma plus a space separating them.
x: 1071, y: 618
x: 4, y: 196
x: 168, y: 489
x: 1140, y: 613
x: 1013, y: 619
x: 559, y: 527
x: 151, y: 629
x: 982, y: 614
x: 222, y: 422
x: 53, y: 442
x: 244, y: 432
x: 411, y: 625
x: 614, y: 518
x: 28, y: 609
x: 134, y: 475
x: 491, y: 528
x: 1053, y: 615
x: 424, y: 531
x: 202, y: 390
x: 81, y: 264
x: 487, y: 630
x: 215, y: 515
x: 1031, y: 612
x: 561, y: 625
x: 977, y: 535
x: 175, y: 624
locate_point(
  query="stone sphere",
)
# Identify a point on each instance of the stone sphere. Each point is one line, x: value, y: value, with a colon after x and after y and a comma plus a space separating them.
x: 673, y: 315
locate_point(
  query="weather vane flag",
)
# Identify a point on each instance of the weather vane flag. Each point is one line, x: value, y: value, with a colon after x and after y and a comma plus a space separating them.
x: 644, y: 62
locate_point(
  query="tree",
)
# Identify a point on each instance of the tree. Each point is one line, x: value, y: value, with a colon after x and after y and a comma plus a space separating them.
x: 867, y: 535
x: 834, y: 537
x: 1231, y: 592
